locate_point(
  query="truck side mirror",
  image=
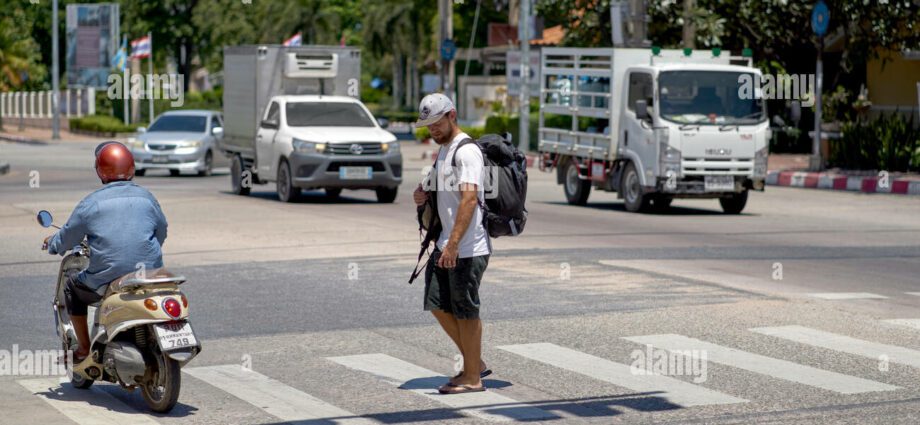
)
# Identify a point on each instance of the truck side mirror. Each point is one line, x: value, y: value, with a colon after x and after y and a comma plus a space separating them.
x: 642, y: 110
x: 269, y: 124
x: 383, y: 122
x: 795, y: 111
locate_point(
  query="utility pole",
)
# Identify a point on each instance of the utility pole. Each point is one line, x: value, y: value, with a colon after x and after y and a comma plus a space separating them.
x: 689, y: 27
x: 524, y: 38
x: 55, y: 69
x: 446, y: 32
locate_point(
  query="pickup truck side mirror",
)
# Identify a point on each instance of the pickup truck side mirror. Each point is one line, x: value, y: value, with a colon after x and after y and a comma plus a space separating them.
x: 269, y: 124
x: 217, y: 131
x: 384, y: 123
x: 642, y: 110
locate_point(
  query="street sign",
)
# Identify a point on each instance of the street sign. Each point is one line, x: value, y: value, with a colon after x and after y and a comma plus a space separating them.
x: 820, y: 17
x: 448, y: 49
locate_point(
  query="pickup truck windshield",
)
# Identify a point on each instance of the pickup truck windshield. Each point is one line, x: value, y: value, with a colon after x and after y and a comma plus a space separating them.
x: 180, y: 123
x: 706, y: 98
x: 327, y: 114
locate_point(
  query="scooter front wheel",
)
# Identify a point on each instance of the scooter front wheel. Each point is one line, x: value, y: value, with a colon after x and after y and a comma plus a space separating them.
x: 161, y: 391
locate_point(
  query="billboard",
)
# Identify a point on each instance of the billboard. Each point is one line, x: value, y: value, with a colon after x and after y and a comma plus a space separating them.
x: 92, y: 41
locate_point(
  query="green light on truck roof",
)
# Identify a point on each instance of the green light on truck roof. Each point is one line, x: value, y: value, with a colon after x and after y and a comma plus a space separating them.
x: 747, y: 52
x: 716, y: 51
x: 688, y: 51
x: 656, y: 50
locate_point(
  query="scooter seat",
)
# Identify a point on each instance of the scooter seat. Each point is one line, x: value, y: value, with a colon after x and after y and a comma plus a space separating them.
x: 131, y: 281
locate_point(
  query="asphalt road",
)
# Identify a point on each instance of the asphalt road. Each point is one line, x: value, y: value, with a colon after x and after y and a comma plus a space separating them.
x: 312, y: 297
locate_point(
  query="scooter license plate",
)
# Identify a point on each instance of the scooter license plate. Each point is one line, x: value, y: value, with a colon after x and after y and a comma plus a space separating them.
x: 719, y: 183
x: 173, y: 336
x: 355, y: 173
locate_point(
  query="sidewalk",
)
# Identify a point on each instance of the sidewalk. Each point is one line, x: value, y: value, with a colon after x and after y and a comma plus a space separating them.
x: 791, y: 170
x: 39, y: 136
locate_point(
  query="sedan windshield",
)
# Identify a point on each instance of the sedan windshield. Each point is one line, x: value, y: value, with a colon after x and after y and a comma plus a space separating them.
x: 707, y: 97
x: 327, y: 114
x: 180, y: 123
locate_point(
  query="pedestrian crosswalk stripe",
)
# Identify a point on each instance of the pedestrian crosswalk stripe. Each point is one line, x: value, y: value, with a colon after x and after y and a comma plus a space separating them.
x: 769, y: 366
x: 487, y: 405
x: 674, y: 390
x: 85, y: 407
x: 273, y: 397
x: 913, y: 323
x: 848, y: 296
x: 916, y: 294
x: 832, y: 341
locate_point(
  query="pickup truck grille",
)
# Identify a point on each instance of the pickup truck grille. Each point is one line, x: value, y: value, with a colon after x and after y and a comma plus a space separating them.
x: 367, y: 148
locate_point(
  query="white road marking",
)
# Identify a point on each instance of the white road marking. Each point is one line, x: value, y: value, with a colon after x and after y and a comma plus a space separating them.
x: 913, y: 323
x: 273, y: 397
x: 832, y: 341
x: 916, y: 294
x: 776, y: 368
x: 674, y: 390
x: 85, y: 407
x: 848, y: 296
x: 487, y: 405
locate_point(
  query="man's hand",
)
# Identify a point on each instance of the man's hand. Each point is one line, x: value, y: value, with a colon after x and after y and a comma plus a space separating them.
x: 420, y: 196
x: 448, y: 258
x: 45, y: 243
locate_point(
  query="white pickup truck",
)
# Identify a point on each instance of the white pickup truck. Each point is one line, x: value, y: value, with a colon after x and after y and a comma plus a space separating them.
x: 652, y: 125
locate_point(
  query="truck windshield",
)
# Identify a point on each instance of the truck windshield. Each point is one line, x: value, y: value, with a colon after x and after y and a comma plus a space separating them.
x: 180, y: 123
x: 707, y: 98
x: 327, y: 114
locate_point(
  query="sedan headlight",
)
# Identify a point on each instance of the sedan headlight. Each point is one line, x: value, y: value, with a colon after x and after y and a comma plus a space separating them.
x: 302, y: 146
x: 135, y: 143
x: 390, y: 146
x: 190, y: 144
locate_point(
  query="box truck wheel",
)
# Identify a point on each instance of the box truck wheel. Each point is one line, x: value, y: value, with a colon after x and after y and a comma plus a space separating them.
x: 287, y: 192
x: 734, y: 204
x: 576, y: 189
x: 386, y: 195
x: 236, y: 177
x: 631, y: 189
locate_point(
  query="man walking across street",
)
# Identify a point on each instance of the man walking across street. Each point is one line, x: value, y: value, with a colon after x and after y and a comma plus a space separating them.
x: 462, y: 250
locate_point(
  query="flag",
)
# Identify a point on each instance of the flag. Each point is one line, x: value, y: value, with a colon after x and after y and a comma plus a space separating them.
x: 140, y: 48
x: 295, y: 40
x: 120, y: 60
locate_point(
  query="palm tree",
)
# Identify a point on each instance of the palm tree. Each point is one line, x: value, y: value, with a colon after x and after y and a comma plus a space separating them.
x: 18, y: 55
x: 400, y: 29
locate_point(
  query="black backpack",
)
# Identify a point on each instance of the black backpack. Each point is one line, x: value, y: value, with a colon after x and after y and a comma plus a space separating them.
x: 504, y: 213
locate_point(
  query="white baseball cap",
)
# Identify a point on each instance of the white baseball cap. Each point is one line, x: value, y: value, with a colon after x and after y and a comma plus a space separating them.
x: 432, y: 108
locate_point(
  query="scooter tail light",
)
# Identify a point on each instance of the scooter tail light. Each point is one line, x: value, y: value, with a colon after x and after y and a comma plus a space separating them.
x: 172, y: 307
x: 150, y: 304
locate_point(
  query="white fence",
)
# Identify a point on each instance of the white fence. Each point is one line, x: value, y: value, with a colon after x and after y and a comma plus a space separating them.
x: 37, y: 104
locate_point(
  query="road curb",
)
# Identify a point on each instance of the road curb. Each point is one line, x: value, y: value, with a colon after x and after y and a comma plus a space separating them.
x: 830, y: 181
x: 20, y: 139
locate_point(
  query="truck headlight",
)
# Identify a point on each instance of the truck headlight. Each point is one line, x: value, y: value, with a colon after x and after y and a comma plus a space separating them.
x: 669, y: 159
x: 760, y: 161
x: 389, y: 147
x: 302, y: 146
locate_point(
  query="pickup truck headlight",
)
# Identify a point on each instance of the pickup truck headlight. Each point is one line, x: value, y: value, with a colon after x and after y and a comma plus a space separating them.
x: 760, y: 161
x: 301, y: 146
x: 389, y: 147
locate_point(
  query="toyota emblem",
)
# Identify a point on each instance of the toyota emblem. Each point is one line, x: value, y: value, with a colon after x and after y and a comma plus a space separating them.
x: 356, y: 149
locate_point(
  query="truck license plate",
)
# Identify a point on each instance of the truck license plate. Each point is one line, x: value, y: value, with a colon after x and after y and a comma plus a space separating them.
x: 355, y: 173
x: 719, y: 183
x: 173, y: 336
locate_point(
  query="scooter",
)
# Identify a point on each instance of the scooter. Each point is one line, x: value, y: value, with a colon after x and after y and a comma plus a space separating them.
x: 140, y: 333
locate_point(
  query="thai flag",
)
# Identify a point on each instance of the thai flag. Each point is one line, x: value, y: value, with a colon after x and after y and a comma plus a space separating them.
x: 295, y: 40
x: 140, y: 48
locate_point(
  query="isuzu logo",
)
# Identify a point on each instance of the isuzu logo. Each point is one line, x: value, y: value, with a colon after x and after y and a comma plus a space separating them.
x: 356, y: 149
x: 718, y: 152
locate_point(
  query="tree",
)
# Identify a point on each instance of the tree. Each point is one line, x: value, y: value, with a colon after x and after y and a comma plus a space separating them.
x: 20, y: 57
x: 172, y: 25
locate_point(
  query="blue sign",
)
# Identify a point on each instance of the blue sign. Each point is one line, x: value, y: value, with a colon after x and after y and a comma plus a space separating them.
x: 820, y: 17
x: 448, y: 50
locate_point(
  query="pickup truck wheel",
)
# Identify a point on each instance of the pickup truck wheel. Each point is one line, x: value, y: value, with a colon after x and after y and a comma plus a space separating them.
x: 333, y: 192
x: 287, y: 192
x: 140, y: 173
x: 630, y: 187
x: 576, y: 189
x: 734, y: 204
x: 386, y: 195
x: 236, y: 177
x: 208, y: 165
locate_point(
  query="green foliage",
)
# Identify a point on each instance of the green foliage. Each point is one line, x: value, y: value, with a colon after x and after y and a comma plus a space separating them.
x: 421, y: 133
x: 19, y: 54
x: 888, y: 142
x: 102, y: 124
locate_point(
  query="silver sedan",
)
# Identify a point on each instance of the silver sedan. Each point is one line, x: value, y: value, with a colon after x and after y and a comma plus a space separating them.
x: 179, y: 141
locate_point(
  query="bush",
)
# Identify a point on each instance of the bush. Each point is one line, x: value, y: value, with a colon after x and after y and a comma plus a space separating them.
x: 887, y: 143
x: 102, y: 124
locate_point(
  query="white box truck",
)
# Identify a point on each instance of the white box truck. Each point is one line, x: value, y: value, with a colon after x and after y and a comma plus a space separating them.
x: 292, y: 116
x: 653, y: 125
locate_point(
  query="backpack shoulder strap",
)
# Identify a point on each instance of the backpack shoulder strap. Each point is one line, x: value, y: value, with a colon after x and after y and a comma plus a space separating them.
x: 464, y: 142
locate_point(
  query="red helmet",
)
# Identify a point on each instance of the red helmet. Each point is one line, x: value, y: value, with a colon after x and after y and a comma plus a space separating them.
x: 114, y: 162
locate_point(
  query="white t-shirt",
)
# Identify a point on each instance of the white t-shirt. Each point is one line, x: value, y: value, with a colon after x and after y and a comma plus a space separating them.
x: 475, y: 241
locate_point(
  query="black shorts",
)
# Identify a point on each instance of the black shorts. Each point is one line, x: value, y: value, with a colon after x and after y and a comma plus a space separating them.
x: 78, y: 297
x: 455, y: 290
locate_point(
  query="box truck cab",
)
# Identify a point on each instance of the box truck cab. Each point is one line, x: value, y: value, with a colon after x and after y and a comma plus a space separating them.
x: 653, y: 127
x: 292, y: 117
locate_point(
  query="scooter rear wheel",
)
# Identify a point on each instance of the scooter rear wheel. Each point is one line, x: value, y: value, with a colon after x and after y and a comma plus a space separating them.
x: 161, y: 391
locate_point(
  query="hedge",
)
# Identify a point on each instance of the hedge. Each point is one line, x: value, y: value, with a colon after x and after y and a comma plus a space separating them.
x: 421, y: 133
x: 888, y: 143
x: 102, y: 124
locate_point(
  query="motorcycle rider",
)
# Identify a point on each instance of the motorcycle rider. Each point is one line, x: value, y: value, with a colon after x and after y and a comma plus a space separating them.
x: 124, y: 228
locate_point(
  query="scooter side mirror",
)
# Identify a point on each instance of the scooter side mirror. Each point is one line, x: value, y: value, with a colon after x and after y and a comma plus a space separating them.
x: 44, y: 218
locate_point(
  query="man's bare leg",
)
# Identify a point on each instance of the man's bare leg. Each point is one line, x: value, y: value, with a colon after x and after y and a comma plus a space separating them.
x: 449, y: 324
x: 80, y: 327
x: 471, y: 339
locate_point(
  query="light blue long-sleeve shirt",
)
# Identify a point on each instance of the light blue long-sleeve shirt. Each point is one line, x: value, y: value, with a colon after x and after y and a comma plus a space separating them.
x: 124, y: 226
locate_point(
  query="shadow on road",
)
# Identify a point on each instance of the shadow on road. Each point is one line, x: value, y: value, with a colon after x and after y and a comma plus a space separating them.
x: 672, y: 210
